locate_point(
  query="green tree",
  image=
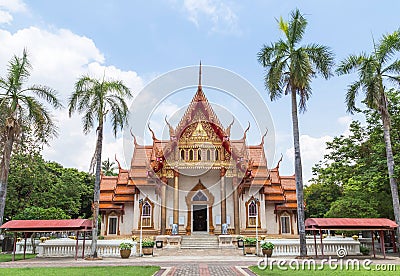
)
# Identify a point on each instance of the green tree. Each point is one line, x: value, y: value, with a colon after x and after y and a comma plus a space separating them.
x: 373, y: 70
x: 33, y: 213
x: 24, y: 109
x: 319, y: 197
x: 96, y: 99
x: 289, y: 70
x: 108, y: 167
x: 32, y: 179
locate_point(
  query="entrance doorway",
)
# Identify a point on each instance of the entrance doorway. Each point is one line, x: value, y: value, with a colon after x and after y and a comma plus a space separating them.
x: 199, y: 217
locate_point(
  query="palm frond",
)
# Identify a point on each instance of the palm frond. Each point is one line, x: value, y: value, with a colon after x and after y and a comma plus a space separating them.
x: 350, y: 64
x: 46, y: 93
x: 351, y: 95
x: 297, y: 26
x: 388, y: 46
x: 322, y: 58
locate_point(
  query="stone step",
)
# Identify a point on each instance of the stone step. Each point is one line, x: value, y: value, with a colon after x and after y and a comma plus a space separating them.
x: 200, y: 242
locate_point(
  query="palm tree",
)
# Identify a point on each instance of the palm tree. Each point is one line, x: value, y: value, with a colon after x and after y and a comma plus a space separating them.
x: 108, y: 167
x: 23, y: 110
x: 289, y: 70
x: 373, y: 70
x: 96, y: 99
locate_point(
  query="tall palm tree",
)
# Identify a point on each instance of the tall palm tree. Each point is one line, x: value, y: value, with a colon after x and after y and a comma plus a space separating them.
x: 23, y: 109
x: 375, y: 71
x: 289, y: 70
x: 108, y: 167
x: 97, y: 99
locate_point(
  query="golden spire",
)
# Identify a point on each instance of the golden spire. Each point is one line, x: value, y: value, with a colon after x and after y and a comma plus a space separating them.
x: 200, y: 76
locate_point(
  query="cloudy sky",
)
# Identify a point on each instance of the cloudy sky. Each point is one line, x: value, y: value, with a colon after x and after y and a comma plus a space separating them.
x: 136, y: 41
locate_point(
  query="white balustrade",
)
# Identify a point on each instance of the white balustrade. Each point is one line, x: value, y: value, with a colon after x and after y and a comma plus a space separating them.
x: 66, y: 248
x: 291, y: 247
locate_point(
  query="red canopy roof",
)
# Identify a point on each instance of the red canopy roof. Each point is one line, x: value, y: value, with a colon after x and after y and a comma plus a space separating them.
x: 48, y: 225
x: 350, y: 223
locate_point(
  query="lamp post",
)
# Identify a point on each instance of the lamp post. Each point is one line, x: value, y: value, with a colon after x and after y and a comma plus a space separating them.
x: 141, y: 228
x: 255, y: 200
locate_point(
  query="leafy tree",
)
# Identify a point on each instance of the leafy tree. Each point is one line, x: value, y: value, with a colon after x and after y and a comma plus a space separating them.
x: 357, y: 165
x: 22, y: 110
x: 351, y: 207
x: 33, y: 213
x: 96, y: 99
x: 108, y: 167
x: 36, y: 182
x: 319, y: 197
x: 289, y: 70
x: 373, y: 70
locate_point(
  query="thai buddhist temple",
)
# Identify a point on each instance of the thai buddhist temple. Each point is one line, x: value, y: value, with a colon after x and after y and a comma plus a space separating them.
x: 198, y: 181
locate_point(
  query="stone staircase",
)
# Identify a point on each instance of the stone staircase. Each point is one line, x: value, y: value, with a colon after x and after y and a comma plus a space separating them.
x: 200, y: 241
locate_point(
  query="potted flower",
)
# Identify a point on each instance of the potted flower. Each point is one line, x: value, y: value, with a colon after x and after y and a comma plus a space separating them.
x: 125, y: 249
x: 249, y: 245
x: 147, y: 246
x: 267, y: 248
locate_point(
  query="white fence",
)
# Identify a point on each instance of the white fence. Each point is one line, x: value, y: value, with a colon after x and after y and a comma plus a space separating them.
x: 110, y: 248
x: 66, y: 248
x: 331, y: 245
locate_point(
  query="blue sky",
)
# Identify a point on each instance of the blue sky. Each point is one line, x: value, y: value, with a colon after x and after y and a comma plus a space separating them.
x: 138, y: 40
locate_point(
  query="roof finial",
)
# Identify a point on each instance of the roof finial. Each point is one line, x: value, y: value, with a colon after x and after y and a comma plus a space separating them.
x: 152, y: 132
x: 119, y: 165
x: 265, y: 134
x: 247, y: 129
x: 200, y: 75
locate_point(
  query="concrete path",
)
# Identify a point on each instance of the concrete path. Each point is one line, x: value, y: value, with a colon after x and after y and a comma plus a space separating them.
x: 180, y: 262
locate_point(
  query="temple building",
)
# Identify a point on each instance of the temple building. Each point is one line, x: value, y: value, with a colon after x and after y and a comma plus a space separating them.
x: 198, y: 181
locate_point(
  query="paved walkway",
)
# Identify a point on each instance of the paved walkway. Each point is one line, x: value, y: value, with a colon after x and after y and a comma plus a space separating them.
x: 226, y: 262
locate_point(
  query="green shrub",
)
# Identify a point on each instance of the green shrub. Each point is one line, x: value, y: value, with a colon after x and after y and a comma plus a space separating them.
x: 267, y: 245
x: 125, y: 245
x: 250, y: 241
x: 364, y: 250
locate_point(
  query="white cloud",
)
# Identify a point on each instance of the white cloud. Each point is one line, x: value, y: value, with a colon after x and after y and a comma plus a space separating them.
x: 312, y: 150
x: 221, y: 16
x: 7, y: 7
x: 58, y: 58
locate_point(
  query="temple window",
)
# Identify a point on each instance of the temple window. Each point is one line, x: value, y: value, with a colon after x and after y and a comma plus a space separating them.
x: 199, y: 196
x: 112, y: 225
x: 146, y: 214
x: 216, y: 155
x: 182, y: 154
x: 191, y: 155
x: 252, y: 209
x: 199, y: 154
x: 208, y: 155
x: 285, y: 224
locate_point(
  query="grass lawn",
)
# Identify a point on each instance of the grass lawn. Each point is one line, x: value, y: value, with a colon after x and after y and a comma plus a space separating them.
x: 375, y: 269
x: 8, y: 257
x: 72, y: 271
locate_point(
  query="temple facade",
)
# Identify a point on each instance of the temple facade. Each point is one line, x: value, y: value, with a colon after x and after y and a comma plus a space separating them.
x: 198, y: 181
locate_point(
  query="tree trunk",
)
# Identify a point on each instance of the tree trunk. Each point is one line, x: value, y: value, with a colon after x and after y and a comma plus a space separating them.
x: 96, y: 196
x: 392, y: 180
x: 5, y: 167
x: 299, y: 177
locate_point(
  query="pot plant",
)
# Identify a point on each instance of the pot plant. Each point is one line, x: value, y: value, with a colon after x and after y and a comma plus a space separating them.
x: 125, y: 249
x: 147, y: 246
x: 267, y: 248
x: 249, y: 245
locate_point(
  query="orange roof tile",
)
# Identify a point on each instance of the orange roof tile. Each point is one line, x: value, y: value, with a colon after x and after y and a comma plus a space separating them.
x: 274, y: 198
x: 109, y: 206
x: 286, y: 206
